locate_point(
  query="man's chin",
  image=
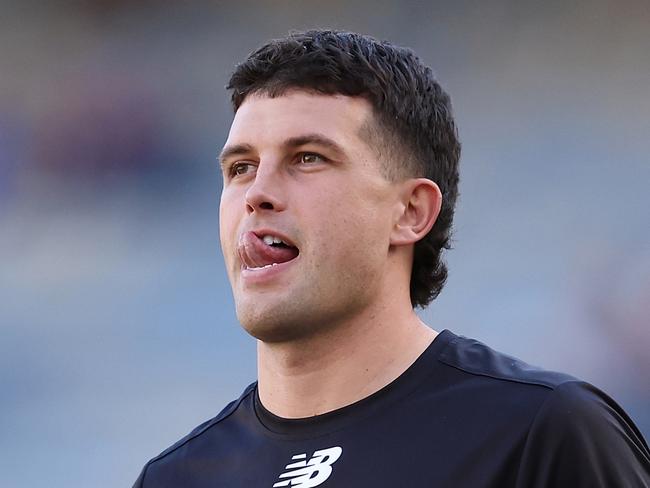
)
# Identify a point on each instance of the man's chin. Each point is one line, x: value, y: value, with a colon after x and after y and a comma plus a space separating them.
x: 275, y: 326
x: 273, y: 333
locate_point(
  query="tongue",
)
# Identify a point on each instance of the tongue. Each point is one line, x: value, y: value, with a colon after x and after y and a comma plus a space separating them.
x: 254, y: 253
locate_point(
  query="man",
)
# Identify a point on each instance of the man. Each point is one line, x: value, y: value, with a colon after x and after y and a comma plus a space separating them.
x: 340, y: 178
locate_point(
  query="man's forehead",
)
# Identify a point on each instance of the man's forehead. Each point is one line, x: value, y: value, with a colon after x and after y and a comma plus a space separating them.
x: 339, y: 127
x: 296, y: 113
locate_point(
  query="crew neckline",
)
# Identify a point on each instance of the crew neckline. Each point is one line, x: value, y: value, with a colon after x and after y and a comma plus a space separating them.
x: 337, y: 419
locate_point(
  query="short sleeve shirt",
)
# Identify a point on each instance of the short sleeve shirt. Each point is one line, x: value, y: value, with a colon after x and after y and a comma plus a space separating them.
x: 462, y: 415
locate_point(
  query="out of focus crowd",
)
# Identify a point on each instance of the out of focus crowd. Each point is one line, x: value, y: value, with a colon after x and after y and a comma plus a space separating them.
x: 117, y: 329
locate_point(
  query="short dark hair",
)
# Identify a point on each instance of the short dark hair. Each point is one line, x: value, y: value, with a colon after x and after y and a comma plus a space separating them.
x: 413, y: 127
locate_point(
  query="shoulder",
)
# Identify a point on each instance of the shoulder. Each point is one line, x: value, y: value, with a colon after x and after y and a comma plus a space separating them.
x: 194, y: 435
x: 510, y: 388
x: 475, y: 358
x: 581, y: 437
x: 572, y: 433
x: 577, y: 412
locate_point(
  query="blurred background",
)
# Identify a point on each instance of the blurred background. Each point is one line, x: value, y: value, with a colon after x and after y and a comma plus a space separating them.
x: 117, y: 327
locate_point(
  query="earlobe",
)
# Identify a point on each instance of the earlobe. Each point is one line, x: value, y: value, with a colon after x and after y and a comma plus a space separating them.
x: 420, y: 205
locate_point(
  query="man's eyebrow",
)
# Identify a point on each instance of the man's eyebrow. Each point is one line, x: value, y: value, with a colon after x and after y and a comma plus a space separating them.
x: 292, y: 142
x: 317, y: 139
x: 234, y: 150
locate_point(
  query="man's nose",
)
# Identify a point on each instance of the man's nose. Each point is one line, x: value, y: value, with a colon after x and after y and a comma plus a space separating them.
x: 266, y: 192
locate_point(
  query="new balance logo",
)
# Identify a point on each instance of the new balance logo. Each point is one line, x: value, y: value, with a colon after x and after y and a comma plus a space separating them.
x: 306, y: 474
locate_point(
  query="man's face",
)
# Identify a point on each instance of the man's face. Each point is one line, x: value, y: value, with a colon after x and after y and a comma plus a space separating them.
x: 296, y: 170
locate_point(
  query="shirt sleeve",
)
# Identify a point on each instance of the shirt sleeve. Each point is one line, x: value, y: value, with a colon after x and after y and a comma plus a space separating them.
x: 581, y: 438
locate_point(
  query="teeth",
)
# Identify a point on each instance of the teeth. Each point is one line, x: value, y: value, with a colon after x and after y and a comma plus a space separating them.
x: 262, y: 267
x: 268, y: 240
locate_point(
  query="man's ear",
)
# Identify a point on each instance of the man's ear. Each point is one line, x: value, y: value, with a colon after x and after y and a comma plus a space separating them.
x: 420, y: 203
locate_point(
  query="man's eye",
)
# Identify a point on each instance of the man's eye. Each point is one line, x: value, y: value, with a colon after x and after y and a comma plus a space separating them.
x: 311, y: 158
x: 239, y: 169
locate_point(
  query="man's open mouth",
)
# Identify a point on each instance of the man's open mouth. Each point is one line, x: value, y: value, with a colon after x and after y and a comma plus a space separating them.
x: 263, y: 250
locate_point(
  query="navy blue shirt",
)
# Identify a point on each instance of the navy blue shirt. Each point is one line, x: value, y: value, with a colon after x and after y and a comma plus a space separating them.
x: 463, y: 415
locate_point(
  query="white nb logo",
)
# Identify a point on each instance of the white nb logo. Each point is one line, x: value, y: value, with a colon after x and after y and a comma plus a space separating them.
x: 306, y: 474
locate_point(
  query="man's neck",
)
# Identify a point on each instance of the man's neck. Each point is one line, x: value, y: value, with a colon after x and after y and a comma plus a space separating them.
x: 351, y: 362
